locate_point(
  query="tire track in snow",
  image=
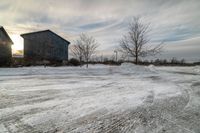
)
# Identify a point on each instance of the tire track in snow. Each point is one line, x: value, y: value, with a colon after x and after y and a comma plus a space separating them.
x: 127, y: 122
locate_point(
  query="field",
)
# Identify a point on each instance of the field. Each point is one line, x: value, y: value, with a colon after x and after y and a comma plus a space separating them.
x: 116, y: 99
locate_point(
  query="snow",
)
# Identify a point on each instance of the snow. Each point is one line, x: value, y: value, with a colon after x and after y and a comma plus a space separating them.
x: 126, y: 98
x: 197, y: 69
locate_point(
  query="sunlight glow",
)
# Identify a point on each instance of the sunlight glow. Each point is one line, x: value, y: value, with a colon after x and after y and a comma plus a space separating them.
x: 18, y: 44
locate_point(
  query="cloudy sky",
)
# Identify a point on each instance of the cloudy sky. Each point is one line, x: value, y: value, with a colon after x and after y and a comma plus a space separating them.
x: 176, y: 22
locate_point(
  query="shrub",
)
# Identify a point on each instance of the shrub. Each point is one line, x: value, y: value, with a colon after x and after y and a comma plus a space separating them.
x: 74, y: 62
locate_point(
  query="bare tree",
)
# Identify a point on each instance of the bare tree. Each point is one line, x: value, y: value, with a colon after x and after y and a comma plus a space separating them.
x: 134, y: 43
x: 77, y: 51
x: 85, y: 46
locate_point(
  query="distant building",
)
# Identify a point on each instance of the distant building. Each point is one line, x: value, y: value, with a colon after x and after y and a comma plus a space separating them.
x: 5, y: 48
x: 45, y: 46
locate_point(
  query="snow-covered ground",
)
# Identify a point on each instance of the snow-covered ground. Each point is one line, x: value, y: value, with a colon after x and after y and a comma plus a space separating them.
x: 124, y: 98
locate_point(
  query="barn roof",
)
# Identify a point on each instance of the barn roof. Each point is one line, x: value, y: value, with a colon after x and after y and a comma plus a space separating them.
x: 6, y: 34
x: 31, y: 33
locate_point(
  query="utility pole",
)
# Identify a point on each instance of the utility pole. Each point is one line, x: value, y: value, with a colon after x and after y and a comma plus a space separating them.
x: 116, y: 54
x: 101, y: 58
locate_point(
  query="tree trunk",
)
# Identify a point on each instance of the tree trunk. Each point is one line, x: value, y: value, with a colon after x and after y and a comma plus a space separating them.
x: 87, y: 64
x: 136, y: 53
x: 136, y: 60
x: 80, y: 59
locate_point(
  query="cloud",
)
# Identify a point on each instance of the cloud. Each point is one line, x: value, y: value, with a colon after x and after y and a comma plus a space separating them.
x: 107, y: 20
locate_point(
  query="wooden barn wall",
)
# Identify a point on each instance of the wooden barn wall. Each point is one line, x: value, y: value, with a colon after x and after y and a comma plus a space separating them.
x: 46, y: 46
x: 5, y: 50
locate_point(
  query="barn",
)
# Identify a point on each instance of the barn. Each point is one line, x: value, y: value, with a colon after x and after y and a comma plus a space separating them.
x: 5, y: 48
x: 44, y: 46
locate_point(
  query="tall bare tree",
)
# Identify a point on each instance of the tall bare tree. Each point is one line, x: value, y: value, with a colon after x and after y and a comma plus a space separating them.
x: 77, y: 50
x: 85, y: 46
x: 134, y: 43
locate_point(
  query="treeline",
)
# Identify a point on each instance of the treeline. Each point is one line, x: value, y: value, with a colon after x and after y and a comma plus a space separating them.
x: 19, y: 62
x: 157, y: 62
x: 170, y: 62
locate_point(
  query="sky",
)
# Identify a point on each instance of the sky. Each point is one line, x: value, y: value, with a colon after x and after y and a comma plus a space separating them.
x: 174, y: 22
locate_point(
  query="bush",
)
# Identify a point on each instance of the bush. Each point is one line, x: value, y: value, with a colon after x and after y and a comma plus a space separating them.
x: 74, y: 62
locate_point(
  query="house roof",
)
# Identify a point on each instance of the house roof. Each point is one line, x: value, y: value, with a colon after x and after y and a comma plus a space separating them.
x: 31, y: 33
x: 7, y: 36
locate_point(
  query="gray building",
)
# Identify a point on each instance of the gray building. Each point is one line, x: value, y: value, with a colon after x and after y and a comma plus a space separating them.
x: 5, y: 48
x: 45, y: 45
